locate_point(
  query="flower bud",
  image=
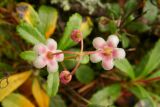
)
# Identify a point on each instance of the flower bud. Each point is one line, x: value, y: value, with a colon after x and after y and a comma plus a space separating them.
x: 65, y: 77
x: 76, y: 35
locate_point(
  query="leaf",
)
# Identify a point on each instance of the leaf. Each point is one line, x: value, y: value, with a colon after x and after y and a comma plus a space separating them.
x: 14, y: 81
x: 138, y: 27
x: 152, y: 11
x: 75, y: 22
x: 28, y: 55
x: 53, y: 83
x: 125, y: 66
x: 48, y: 17
x: 155, y: 74
x: 106, y: 96
x: 153, y: 60
x: 142, y: 93
x: 40, y: 96
x: 16, y: 100
x: 30, y: 33
x: 27, y: 13
x: 130, y: 5
x: 85, y: 59
x: 144, y: 103
x: 125, y: 41
x: 85, y: 74
x: 57, y: 101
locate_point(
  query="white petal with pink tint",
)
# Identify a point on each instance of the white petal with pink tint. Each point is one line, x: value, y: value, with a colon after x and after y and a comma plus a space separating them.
x: 98, y: 42
x: 39, y: 62
x: 51, y: 44
x: 52, y: 66
x: 95, y: 58
x: 119, y: 53
x: 59, y: 57
x: 107, y: 63
x: 40, y: 48
x: 112, y: 41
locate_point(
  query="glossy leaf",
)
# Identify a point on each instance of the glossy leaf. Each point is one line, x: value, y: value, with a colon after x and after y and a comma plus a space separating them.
x: 40, y: 96
x: 30, y: 33
x: 85, y: 74
x: 14, y: 81
x: 106, y: 96
x: 125, y: 41
x: 153, y: 60
x: 27, y: 13
x: 28, y: 55
x: 53, y: 83
x: 48, y: 16
x: 125, y: 66
x: 16, y: 100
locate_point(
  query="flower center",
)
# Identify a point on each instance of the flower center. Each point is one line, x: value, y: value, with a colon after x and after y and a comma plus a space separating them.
x: 107, y: 51
x: 50, y: 55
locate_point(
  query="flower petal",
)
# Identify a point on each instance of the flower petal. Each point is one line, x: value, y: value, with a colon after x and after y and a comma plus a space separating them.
x: 40, y: 48
x: 40, y: 62
x: 107, y: 63
x: 52, y: 66
x: 119, y: 53
x: 51, y: 44
x: 59, y: 57
x: 95, y: 58
x: 98, y: 42
x: 112, y: 41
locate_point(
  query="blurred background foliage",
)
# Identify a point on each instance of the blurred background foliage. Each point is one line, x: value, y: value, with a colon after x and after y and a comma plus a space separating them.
x: 137, y: 24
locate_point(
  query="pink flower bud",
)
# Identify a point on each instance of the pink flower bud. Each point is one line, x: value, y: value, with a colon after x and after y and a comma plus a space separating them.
x: 76, y: 35
x: 65, y: 77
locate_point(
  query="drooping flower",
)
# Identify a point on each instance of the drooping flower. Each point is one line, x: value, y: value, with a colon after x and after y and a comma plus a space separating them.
x: 46, y: 57
x: 107, y: 51
x: 76, y: 35
x: 65, y: 77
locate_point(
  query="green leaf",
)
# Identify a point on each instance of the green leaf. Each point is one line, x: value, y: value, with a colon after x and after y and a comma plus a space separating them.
x: 142, y: 93
x: 152, y: 11
x: 16, y: 100
x: 75, y: 22
x: 144, y: 103
x: 27, y: 13
x: 112, y: 28
x: 153, y: 60
x: 138, y: 27
x: 85, y: 74
x: 155, y: 74
x: 30, y: 33
x: 28, y: 55
x: 57, y: 101
x: 85, y: 59
x: 125, y: 41
x: 125, y: 67
x: 53, y: 83
x: 130, y: 5
x: 106, y: 96
x: 48, y: 17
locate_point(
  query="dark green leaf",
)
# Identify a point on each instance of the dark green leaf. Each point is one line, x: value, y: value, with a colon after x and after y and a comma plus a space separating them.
x: 85, y: 74
x: 57, y: 101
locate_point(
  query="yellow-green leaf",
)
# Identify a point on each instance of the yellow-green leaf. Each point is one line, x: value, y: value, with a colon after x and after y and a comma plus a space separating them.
x: 40, y: 96
x: 16, y: 100
x: 48, y: 16
x: 14, y: 82
x: 27, y: 13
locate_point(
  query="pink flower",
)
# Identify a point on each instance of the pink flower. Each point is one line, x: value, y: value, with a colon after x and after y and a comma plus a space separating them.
x: 65, y: 77
x: 107, y: 51
x: 76, y: 35
x: 45, y: 55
